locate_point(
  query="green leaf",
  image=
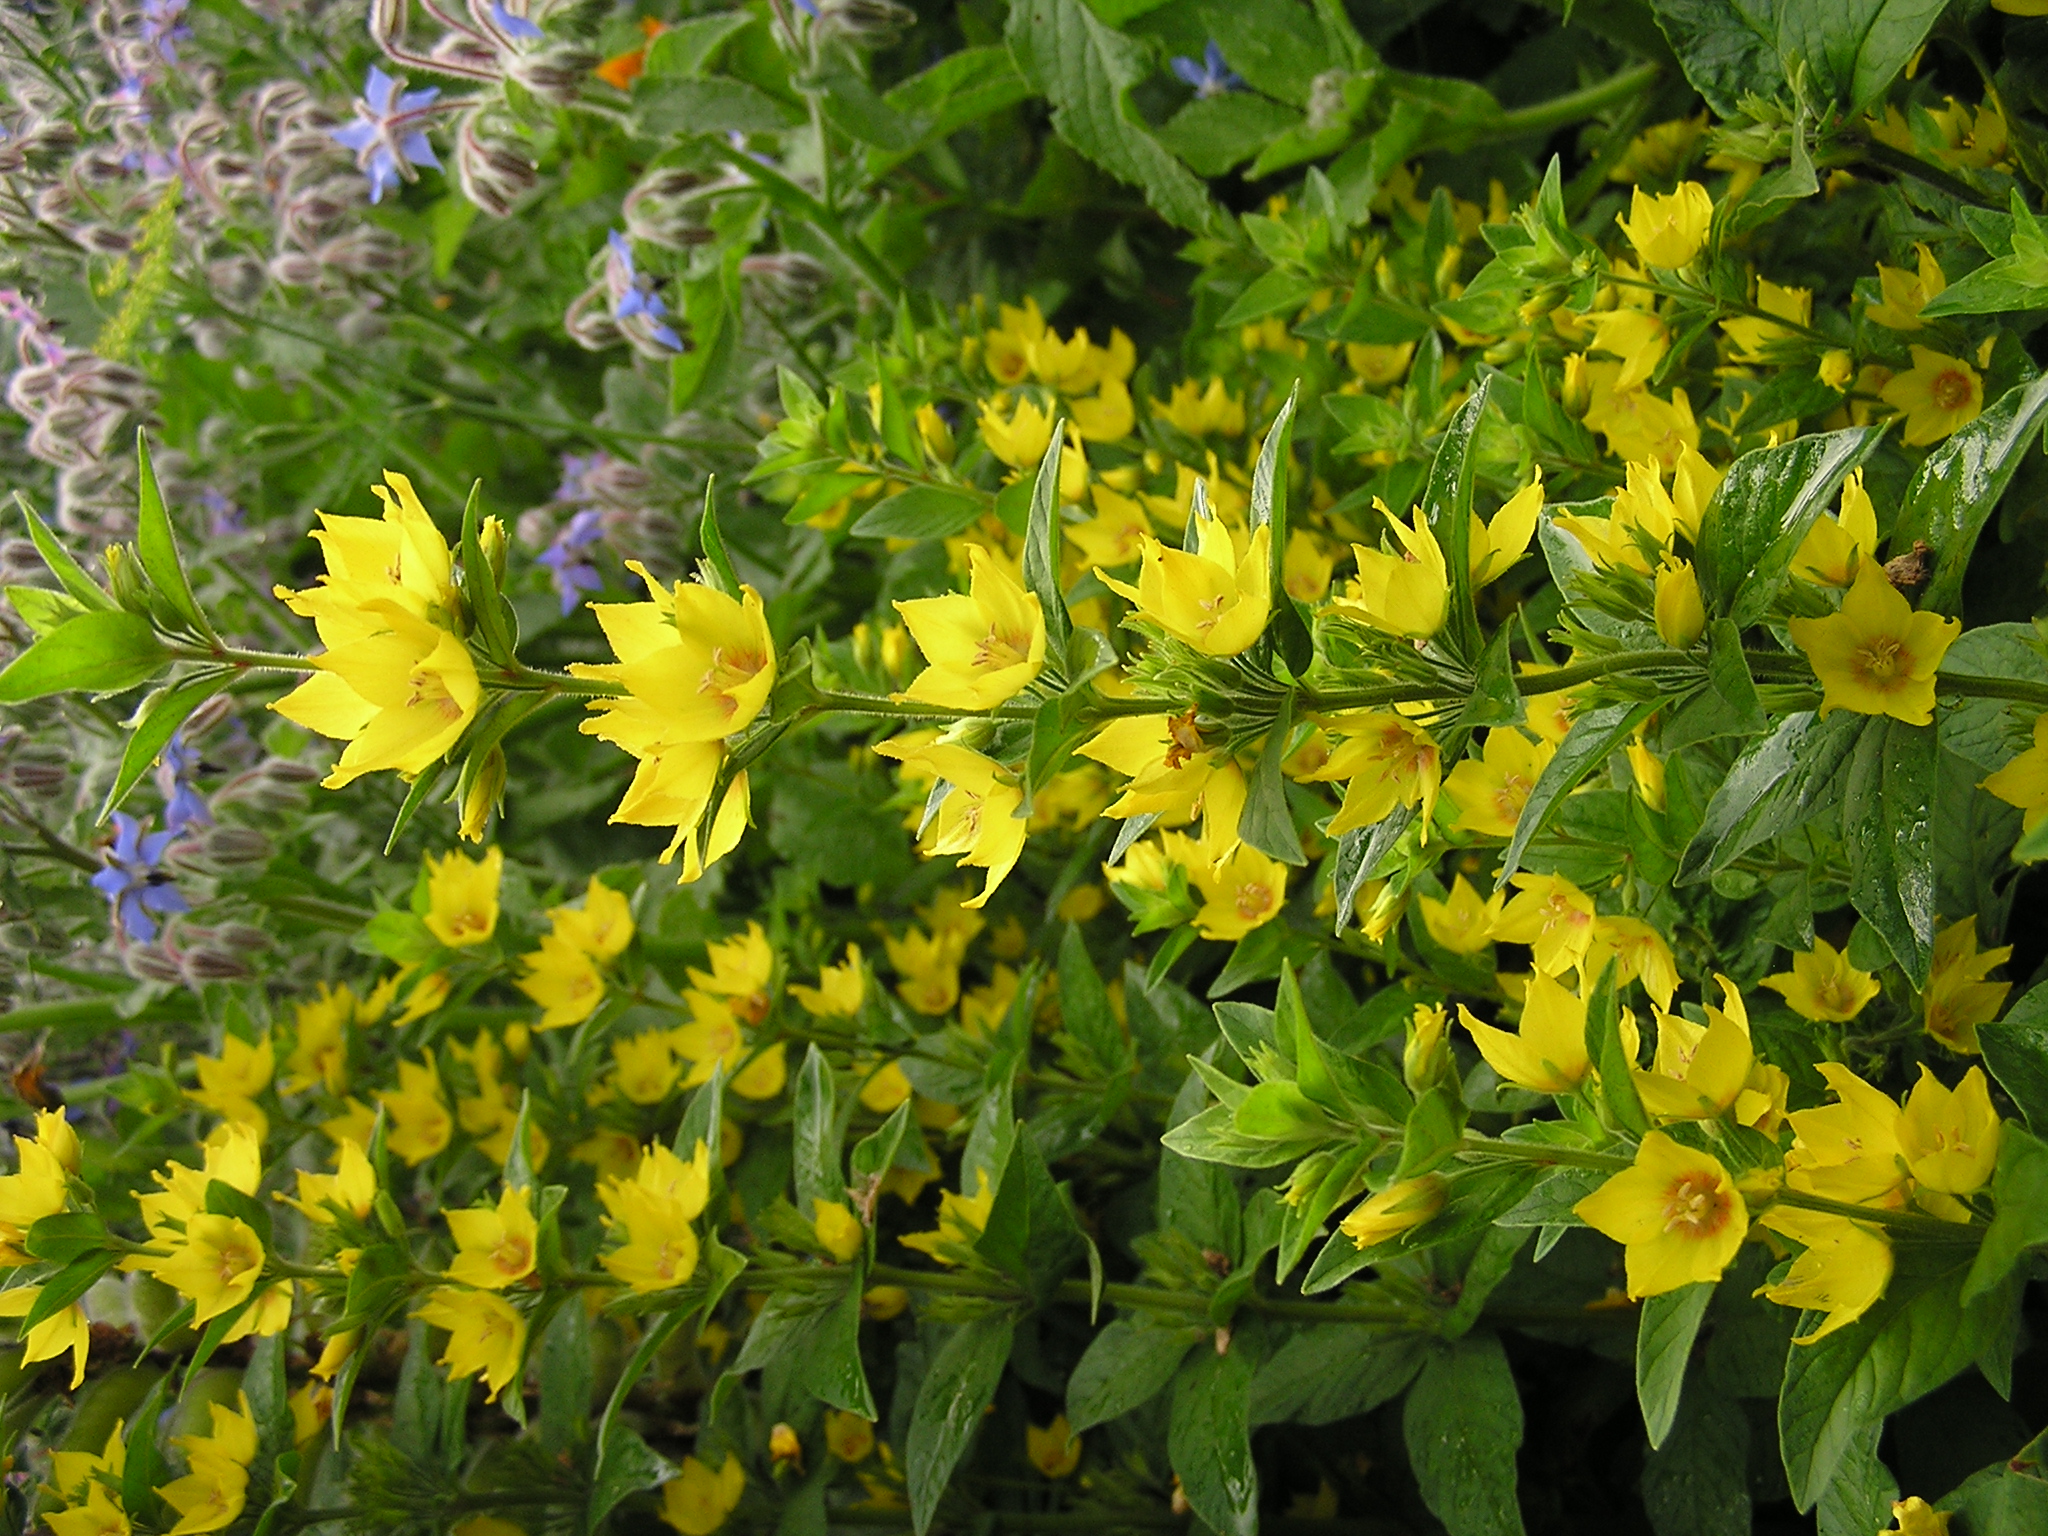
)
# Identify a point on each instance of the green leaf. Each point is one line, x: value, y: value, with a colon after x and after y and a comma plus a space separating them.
x: 2019, y: 1193
x: 1851, y: 50
x: 817, y: 1136
x: 1332, y: 1371
x: 688, y: 47
x: 62, y: 1238
x: 1085, y: 1008
x: 1955, y: 491
x: 161, y: 715
x: 568, y: 1379
x: 1697, y: 1482
x: 1610, y: 1056
x: 156, y: 542
x: 1773, y: 787
x: 921, y: 512
x: 1665, y: 1331
x: 1215, y: 134
x: 950, y: 1402
x: 106, y: 651
x: 814, y: 1333
x: 1447, y: 502
x: 1042, y: 546
x: 1887, y: 811
x: 71, y: 576
x: 1463, y: 1424
x: 1917, y: 1336
x: 1592, y: 739
x: 716, y: 565
x: 492, y: 613
x: 1760, y: 514
x: 1124, y: 1367
x: 42, y: 609
x: 962, y: 88
x: 2016, y: 1052
x: 1031, y: 1234
x: 669, y: 109
x: 1088, y: 71
x: 1209, y: 1443
x: 1266, y: 822
x: 626, y: 1465
x: 67, y: 1285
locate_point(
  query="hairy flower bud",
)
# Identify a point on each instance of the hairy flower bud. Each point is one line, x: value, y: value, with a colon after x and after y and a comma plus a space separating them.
x: 492, y: 163
x: 207, y: 963
x: 145, y: 962
x: 226, y: 847
x: 589, y: 320
x: 867, y: 23
x: 554, y: 74
x: 786, y: 279
x: 238, y: 279
x: 666, y: 208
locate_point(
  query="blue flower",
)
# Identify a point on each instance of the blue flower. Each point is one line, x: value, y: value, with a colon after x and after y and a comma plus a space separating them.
x: 175, y: 769
x: 633, y: 293
x: 1211, y: 77
x: 386, y: 137
x: 162, y: 28
x: 138, y: 891
x: 568, y: 558
x: 517, y: 27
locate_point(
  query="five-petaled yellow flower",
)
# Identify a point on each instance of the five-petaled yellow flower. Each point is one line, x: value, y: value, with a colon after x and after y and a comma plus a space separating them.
x: 1406, y: 593
x: 980, y: 646
x: 1823, y: 986
x: 462, y: 897
x: 1208, y: 598
x: 696, y: 1500
x: 494, y: 1248
x: 1938, y: 394
x: 979, y: 821
x: 1548, y: 1055
x: 1958, y: 997
x: 486, y: 1334
x: 1844, y: 1270
x: 1877, y: 656
x: 1676, y: 1213
x: 1668, y: 230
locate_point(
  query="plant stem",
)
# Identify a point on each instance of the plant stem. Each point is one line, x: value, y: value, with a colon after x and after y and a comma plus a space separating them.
x: 782, y: 190
x: 1897, y: 160
x: 1557, y: 112
x: 1905, y: 1221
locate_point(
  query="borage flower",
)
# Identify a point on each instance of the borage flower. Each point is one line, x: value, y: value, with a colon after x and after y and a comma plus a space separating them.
x: 138, y: 890
x: 388, y: 136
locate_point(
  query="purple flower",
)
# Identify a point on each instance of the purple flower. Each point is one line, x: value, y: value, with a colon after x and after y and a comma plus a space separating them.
x: 175, y: 769
x: 133, y: 884
x: 1211, y: 77
x: 162, y: 27
x: 576, y: 471
x: 568, y: 558
x: 386, y: 136
x: 224, y: 518
x: 516, y: 27
x: 633, y: 292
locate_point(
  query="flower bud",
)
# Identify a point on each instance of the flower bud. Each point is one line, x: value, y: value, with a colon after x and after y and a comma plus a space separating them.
x: 1837, y: 369
x: 226, y: 847
x: 208, y: 963
x: 1426, y: 1058
x: 243, y: 936
x: 145, y: 962
x: 518, y: 1041
x: 1577, y: 391
x: 554, y: 74
x: 492, y: 164
x: 589, y: 320
x: 1396, y: 1209
x: 483, y: 794
x: 866, y: 23
x: 784, y: 1448
x: 1681, y: 615
x: 125, y: 579
x: 295, y: 269
x: 666, y: 208
x: 491, y: 536
x: 787, y: 279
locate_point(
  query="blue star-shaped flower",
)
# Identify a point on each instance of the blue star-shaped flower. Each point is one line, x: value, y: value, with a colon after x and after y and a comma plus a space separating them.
x: 386, y: 137
x: 138, y: 891
x: 1211, y: 77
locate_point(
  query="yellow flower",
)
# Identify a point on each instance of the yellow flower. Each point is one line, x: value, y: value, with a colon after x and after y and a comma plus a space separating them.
x: 1551, y: 915
x: 352, y: 1186
x: 494, y: 1248
x: 1549, y: 1053
x: 1394, y: 1210
x: 462, y: 897
x: 1835, y: 547
x: 980, y: 646
x: 1837, y: 368
x: 1383, y: 761
x: 1639, y: 427
x: 1676, y: 1213
x: 840, y: 1232
x: 602, y: 927
x: 1210, y: 599
x: 1461, y: 922
x: 1167, y: 760
x: 1659, y: 150
x: 1405, y: 594
x: 884, y: 1088
x: 1915, y: 1516
x: 696, y: 1500
x: 2024, y: 781
x: 420, y: 1124
x: 1877, y: 656
x: 486, y: 1335
x: 1668, y: 230
x: 1378, y: 364
x: 1055, y: 1450
x: 839, y: 990
x: 655, y: 1207
x: 1636, y: 336
x: 1823, y: 986
x: 320, y: 1041
x: 100, y: 1514
x: 1491, y: 789
x: 1907, y: 293
x: 961, y: 1219
x: 230, y: 1081
x: 696, y: 665
x: 1242, y: 891
x: 1843, y: 1272
x: 1681, y: 615
x: 1699, y: 1071
x: 1938, y: 394
x: 66, y: 1328
x: 1020, y: 440
x: 848, y: 1436
x: 211, y: 1495
x: 980, y: 820
x: 564, y: 980
x: 1307, y: 565
x: 216, y: 1267
x: 71, y: 1471
x: 1199, y: 411
x: 1949, y: 1137
x: 394, y: 681
x: 1958, y: 998
x: 1754, y: 338
x: 426, y: 996
x: 929, y: 968
x: 1848, y: 1150
x: 1497, y: 545
x: 1647, y: 768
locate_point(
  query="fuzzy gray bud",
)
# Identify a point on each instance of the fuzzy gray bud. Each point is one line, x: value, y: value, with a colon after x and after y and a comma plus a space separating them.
x: 492, y: 164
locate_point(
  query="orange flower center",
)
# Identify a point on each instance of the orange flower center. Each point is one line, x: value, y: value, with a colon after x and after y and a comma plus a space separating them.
x: 997, y: 649
x: 1183, y: 741
x: 1835, y: 995
x: 1696, y: 1206
x: 1881, y: 658
x: 430, y: 689
x: 468, y: 922
x: 1950, y: 389
x: 1254, y: 900
x: 730, y: 669
x: 1512, y: 795
x: 513, y: 1256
